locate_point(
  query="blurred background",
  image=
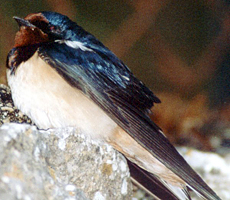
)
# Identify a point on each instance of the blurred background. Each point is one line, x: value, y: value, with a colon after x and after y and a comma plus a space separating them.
x: 180, y: 49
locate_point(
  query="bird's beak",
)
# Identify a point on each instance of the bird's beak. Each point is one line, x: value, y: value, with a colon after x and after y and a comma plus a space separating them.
x: 23, y: 22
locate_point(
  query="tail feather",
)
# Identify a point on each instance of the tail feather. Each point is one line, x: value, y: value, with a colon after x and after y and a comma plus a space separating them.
x: 154, y: 186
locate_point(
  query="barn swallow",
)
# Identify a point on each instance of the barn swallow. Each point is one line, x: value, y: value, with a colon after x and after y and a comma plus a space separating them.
x: 62, y: 76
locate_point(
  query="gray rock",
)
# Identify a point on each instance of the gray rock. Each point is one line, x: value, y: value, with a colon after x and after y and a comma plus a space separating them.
x: 8, y: 112
x: 59, y: 164
x: 213, y: 168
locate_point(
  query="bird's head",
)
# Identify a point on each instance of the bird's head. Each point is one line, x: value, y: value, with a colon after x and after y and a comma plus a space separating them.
x: 45, y: 27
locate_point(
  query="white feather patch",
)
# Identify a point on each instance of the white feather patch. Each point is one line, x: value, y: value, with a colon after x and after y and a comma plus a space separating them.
x: 74, y: 44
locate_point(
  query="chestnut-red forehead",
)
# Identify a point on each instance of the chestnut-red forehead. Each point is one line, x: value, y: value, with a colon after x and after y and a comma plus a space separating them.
x: 36, y: 17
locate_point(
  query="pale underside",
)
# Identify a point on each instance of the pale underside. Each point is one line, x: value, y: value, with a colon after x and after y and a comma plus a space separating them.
x: 41, y: 93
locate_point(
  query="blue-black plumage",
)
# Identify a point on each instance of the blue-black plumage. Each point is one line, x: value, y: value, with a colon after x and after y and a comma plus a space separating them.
x: 85, y: 64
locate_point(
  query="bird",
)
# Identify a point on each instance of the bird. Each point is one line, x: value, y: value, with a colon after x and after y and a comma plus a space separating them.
x: 60, y: 75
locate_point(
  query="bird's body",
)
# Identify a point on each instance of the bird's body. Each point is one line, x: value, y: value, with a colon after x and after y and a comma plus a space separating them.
x: 56, y: 104
x: 61, y: 76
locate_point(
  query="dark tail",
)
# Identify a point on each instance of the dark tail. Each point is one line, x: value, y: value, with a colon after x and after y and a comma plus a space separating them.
x: 150, y: 183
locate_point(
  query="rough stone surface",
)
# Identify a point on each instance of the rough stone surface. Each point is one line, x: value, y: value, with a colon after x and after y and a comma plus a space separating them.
x: 213, y: 168
x: 8, y: 113
x: 59, y: 164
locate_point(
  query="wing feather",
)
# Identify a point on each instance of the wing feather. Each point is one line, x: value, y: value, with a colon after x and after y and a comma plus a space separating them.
x: 110, y: 84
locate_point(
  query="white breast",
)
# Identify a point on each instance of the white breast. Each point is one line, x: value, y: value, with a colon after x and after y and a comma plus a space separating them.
x: 42, y: 94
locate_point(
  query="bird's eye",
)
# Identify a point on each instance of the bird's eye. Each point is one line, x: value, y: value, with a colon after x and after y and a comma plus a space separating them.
x: 52, y: 28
